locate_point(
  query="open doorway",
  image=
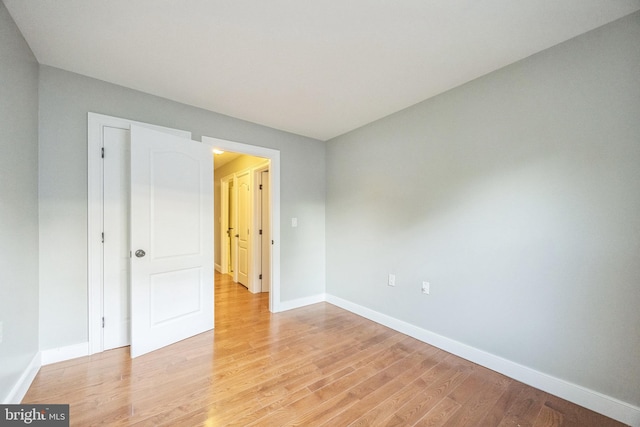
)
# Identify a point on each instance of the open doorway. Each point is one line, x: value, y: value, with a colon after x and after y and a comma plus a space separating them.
x: 243, y: 219
x: 273, y: 157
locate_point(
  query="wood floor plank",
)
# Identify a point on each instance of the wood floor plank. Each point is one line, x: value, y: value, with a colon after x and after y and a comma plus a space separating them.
x: 440, y: 413
x: 433, y: 368
x: 413, y: 366
x: 429, y: 398
x: 313, y: 366
x: 574, y: 415
x: 548, y: 417
x: 525, y: 408
x: 499, y: 409
x: 476, y: 398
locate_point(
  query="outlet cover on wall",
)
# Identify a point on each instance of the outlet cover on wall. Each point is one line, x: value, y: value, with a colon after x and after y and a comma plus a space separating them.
x: 392, y: 280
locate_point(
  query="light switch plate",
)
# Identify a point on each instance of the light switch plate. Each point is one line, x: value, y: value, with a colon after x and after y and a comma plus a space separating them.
x: 392, y: 280
x: 426, y: 288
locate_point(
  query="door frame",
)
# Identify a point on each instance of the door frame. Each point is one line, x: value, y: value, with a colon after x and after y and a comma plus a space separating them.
x: 254, y: 244
x: 95, y: 224
x: 256, y: 219
x: 274, y: 157
x: 95, y: 124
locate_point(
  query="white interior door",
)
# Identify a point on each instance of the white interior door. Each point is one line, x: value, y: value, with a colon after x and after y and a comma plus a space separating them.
x: 244, y: 217
x: 224, y: 235
x: 171, y: 239
x: 233, y: 226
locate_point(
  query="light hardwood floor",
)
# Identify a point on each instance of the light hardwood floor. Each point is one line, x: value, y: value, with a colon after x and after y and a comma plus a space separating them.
x: 314, y: 366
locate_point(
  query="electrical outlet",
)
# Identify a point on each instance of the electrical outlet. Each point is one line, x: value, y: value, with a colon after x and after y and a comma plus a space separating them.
x: 426, y: 288
x: 392, y: 280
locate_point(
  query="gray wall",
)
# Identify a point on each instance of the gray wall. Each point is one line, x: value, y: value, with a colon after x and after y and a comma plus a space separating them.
x: 65, y: 99
x: 517, y: 196
x: 18, y: 203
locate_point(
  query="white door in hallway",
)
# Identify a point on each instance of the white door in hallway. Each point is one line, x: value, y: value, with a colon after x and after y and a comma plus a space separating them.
x: 244, y: 218
x: 171, y: 239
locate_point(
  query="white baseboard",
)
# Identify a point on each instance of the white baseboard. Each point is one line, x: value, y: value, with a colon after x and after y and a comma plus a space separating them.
x: 598, y: 402
x: 218, y: 268
x: 61, y: 354
x: 21, y: 387
x: 300, y: 302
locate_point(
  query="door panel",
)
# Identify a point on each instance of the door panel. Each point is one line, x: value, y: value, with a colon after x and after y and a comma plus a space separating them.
x: 164, y: 287
x: 233, y: 226
x: 171, y: 239
x: 244, y: 216
x: 175, y: 206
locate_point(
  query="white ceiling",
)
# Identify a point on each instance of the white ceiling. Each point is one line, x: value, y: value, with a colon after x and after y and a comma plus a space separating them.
x: 318, y: 68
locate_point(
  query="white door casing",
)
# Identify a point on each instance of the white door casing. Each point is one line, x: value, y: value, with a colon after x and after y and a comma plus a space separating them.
x: 171, y: 239
x: 260, y: 240
x: 258, y: 247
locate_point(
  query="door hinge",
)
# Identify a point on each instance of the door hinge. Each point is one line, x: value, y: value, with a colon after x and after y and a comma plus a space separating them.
x: 102, y: 152
x: 103, y: 322
x: 272, y: 242
x: 261, y: 186
x: 260, y: 277
x: 260, y: 232
x: 102, y: 237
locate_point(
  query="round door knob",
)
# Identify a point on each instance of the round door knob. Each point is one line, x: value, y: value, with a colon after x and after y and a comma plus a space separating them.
x: 140, y: 253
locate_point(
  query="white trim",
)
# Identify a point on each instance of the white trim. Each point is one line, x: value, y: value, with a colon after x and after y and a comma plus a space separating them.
x: 256, y: 239
x: 301, y: 302
x: 598, y: 402
x: 20, y: 388
x: 95, y: 226
x: 274, y: 157
x: 218, y: 267
x: 61, y: 354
